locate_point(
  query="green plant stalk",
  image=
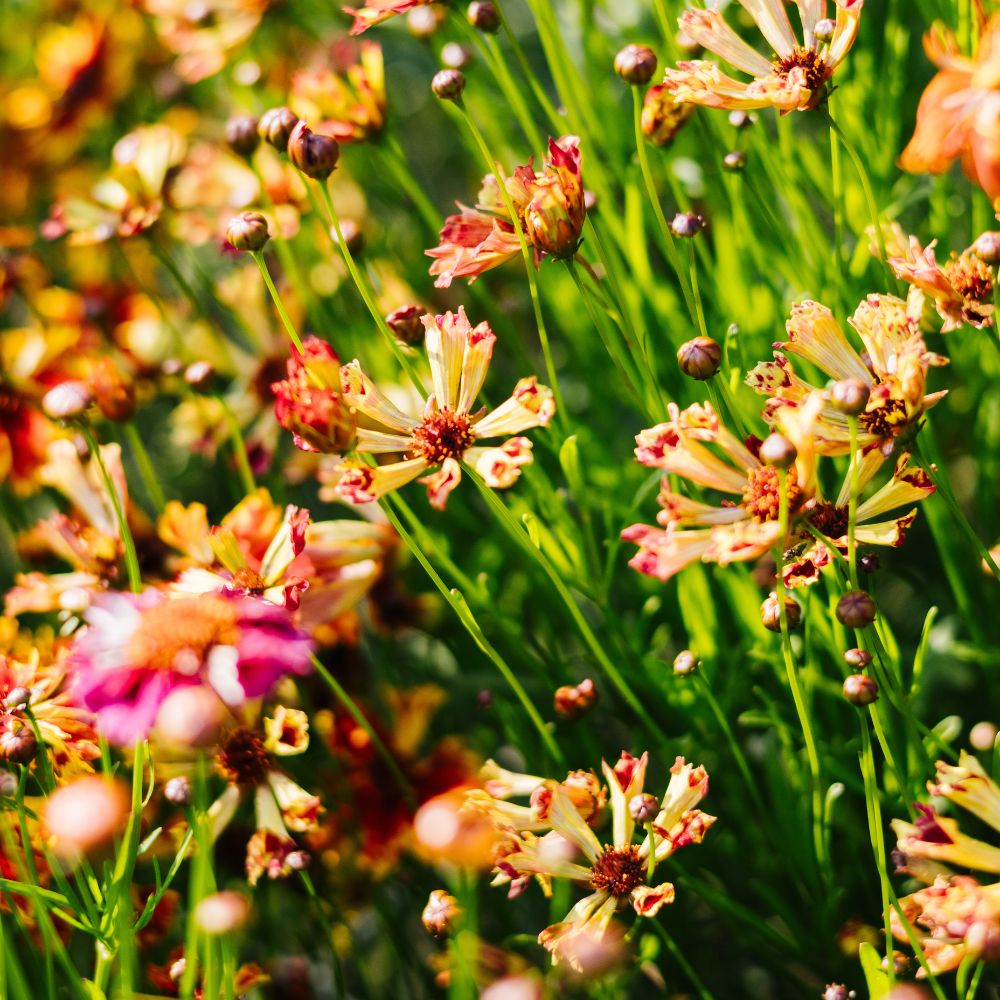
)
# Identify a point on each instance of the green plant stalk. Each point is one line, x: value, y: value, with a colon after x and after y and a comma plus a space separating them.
x: 836, y: 173
x: 681, y: 959
x: 527, y: 73
x: 128, y: 542
x: 461, y: 608
x: 247, y: 480
x: 276, y: 299
x: 145, y: 466
x: 359, y: 717
x: 852, y: 505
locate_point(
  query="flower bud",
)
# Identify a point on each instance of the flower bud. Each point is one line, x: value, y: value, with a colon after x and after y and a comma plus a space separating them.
x: 770, y: 614
x: 858, y: 658
x: 8, y: 784
x: 856, y: 609
x: 869, y: 563
x: 860, y: 690
x: 484, y: 699
x: 242, y: 135
x: 734, y: 161
x: 313, y: 153
x: 850, y: 396
x: 85, y: 814
x: 276, y: 126
x: 441, y: 913
x: 778, y: 451
x: 554, y: 217
x: 636, y: 64
x: 741, y: 119
x: 190, y: 717
x: 448, y: 84
x: 572, y: 702
x: 178, y: 790
x: 662, y: 116
x: 699, y: 358
x: 66, y: 401
x: 354, y: 238
x: 643, y: 807
x: 824, y: 29
x: 456, y: 56
x: 222, y: 913
x: 685, y: 225
x: 685, y: 662
x: 17, y: 698
x: 113, y: 392
x: 987, y: 248
x: 424, y: 21
x: 484, y: 16
x: 837, y: 991
x: 248, y: 231
x: 200, y: 375
x: 982, y: 736
x: 18, y: 743
x: 406, y: 325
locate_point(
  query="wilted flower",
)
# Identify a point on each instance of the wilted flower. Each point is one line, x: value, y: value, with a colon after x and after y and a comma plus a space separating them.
x: 894, y: 366
x: 139, y: 648
x: 448, y: 431
x: 961, y: 290
x: 793, y: 79
x: 957, y: 115
x: 549, y: 205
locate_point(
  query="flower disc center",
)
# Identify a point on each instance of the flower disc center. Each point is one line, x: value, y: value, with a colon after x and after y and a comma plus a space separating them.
x: 443, y: 434
x: 618, y: 872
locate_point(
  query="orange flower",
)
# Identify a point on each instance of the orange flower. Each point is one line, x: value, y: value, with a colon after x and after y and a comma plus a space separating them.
x: 959, y: 110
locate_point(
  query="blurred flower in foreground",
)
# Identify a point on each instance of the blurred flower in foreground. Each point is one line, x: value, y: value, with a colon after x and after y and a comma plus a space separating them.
x: 662, y: 115
x: 550, y: 209
x: 894, y: 367
x: 957, y: 115
x: 955, y: 917
x: 961, y: 290
x: 793, y: 79
x: 448, y: 431
x: 737, y: 530
x: 378, y: 11
x: 619, y: 873
x: 139, y: 648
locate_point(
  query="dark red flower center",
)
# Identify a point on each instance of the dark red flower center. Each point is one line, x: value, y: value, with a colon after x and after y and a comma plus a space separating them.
x: 443, y: 434
x: 618, y: 872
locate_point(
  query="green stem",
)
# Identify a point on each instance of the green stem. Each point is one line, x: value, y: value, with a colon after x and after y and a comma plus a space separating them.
x: 276, y: 299
x: 852, y: 506
x: 239, y: 448
x: 145, y: 465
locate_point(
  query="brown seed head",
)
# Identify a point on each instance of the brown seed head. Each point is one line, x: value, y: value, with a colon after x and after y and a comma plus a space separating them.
x: 618, y: 871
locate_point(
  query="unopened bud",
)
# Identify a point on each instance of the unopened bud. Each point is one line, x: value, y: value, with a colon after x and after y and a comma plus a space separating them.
x: 484, y: 16
x: 987, y: 248
x: 734, y: 161
x: 860, y: 690
x: 856, y: 609
x: 424, y: 21
x: 8, y: 784
x: 354, y: 238
x: 67, y: 401
x: 248, y: 231
x: 441, y: 913
x: 406, y: 325
x: 456, y: 56
x: 900, y: 963
x: 837, y: 991
x: 448, y: 84
x: 17, y: 698
x: 857, y: 658
x: 200, y: 375
x: 313, y: 153
x: 778, y: 451
x: 869, y: 563
x: 741, y: 119
x: 824, y: 29
x: 276, y: 126
x: 685, y: 225
x: 178, y: 790
x: 222, y: 913
x: 685, y: 662
x: 572, y: 702
x: 636, y: 64
x: 699, y: 358
x: 770, y: 614
x: 850, y: 396
x: 18, y: 744
x: 983, y: 735
x: 484, y: 699
x: 242, y: 135
x: 643, y: 807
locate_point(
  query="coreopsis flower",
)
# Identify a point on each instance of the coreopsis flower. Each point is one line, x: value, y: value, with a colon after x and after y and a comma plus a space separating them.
x: 957, y: 114
x: 618, y: 873
x: 347, y: 99
x: 695, y: 445
x: 248, y: 758
x: 39, y: 685
x: 961, y: 290
x: 894, y: 366
x: 955, y: 916
x: 448, y: 431
x: 550, y: 208
x: 309, y: 402
x: 376, y: 11
x: 794, y: 78
x: 138, y: 648
x: 128, y: 200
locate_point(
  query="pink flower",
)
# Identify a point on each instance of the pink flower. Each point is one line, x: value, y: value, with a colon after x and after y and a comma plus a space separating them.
x: 139, y: 648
